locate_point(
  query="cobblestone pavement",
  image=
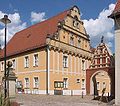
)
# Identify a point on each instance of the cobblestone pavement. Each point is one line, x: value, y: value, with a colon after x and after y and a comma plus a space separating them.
x: 56, y: 100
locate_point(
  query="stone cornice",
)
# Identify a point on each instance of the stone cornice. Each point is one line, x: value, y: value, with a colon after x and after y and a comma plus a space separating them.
x: 70, y: 50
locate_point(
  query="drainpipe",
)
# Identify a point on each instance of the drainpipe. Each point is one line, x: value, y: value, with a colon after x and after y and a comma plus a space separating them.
x: 47, y: 70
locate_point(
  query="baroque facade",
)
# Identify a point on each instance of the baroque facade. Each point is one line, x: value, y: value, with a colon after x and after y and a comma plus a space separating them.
x: 51, y: 57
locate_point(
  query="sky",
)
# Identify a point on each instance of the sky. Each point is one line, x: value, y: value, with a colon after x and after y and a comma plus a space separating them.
x: 24, y: 13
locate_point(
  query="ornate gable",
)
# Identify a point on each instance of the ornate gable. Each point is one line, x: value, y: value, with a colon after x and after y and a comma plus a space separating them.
x: 102, y: 57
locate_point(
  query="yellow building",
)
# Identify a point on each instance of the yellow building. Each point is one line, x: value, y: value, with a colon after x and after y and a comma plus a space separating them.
x: 51, y: 57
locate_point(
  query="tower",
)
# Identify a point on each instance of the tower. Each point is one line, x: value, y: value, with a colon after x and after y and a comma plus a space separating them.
x: 116, y: 16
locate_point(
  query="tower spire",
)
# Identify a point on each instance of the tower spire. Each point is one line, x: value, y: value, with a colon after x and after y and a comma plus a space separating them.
x: 102, y: 39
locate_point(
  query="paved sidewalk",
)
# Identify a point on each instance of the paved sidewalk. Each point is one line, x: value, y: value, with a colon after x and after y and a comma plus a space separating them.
x: 56, y: 100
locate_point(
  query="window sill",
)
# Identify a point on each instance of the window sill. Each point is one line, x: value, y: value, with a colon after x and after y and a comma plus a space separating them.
x: 35, y: 88
x: 65, y: 88
x: 35, y: 66
x: 83, y: 88
x: 26, y: 88
x: 26, y: 67
x: 65, y: 67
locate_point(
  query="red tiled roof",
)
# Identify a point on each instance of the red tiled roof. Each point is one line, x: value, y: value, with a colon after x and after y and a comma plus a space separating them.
x: 116, y: 10
x: 92, y: 49
x: 117, y: 7
x: 33, y: 36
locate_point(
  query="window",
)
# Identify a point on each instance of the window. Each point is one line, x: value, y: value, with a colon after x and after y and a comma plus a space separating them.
x: 76, y: 22
x: 58, y: 84
x: 79, y: 43
x: 104, y: 85
x: 83, y: 83
x: 35, y: 60
x: 98, y: 86
x: 75, y: 17
x: 78, y: 80
x: 26, y: 82
x: 86, y: 43
x: 83, y: 65
x: 36, y: 82
x: 65, y: 82
x: 98, y: 61
x: 13, y: 64
x: 26, y: 63
x: 19, y: 84
x: 72, y: 40
x: 65, y: 61
x: 2, y: 66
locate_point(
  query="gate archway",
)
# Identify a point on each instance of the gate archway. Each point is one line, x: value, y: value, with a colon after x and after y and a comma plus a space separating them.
x: 92, y: 73
x: 98, y: 81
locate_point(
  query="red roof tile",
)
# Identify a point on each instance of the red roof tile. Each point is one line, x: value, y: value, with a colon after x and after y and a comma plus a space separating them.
x: 92, y: 50
x: 117, y: 7
x: 116, y: 10
x: 33, y: 36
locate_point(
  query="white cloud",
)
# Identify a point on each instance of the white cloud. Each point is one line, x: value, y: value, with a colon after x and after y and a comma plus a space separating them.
x: 102, y: 26
x: 37, y: 17
x: 15, y: 26
x: 109, y: 44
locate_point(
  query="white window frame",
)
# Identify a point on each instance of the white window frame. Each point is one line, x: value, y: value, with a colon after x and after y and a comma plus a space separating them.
x: 13, y: 63
x: 2, y: 66
x: 98, y: 85
x: 35, y: 60
x: 83, y: 65
x: 65, y: 83
x: 83, y: 83
x: 27, y: 84
x: 26, y: 61
x: 65, y: 61
x: 36, y: 84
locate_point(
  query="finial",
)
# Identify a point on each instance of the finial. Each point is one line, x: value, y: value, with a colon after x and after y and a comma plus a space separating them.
x: 102, y: 39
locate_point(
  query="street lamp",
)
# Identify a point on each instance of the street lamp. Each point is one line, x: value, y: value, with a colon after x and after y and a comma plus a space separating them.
x: 6, y: 21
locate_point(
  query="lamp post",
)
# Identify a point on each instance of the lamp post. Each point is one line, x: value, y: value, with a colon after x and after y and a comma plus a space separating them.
x: 6, y: 21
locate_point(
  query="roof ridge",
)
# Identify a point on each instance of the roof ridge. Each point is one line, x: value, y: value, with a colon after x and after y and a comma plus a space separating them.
x: 43, y: 21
